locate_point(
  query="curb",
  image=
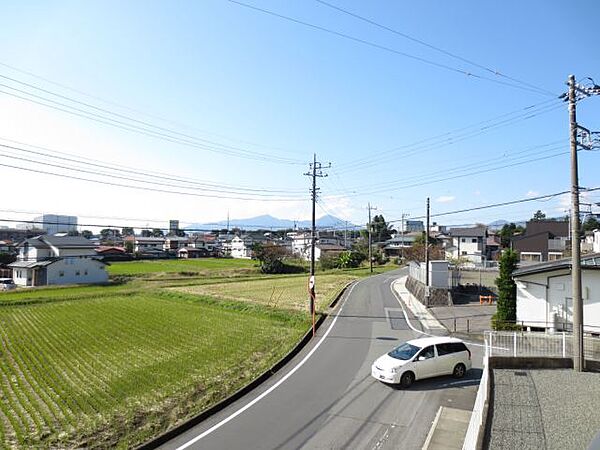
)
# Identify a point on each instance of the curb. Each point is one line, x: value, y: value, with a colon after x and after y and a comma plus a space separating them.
x: 192, y: 422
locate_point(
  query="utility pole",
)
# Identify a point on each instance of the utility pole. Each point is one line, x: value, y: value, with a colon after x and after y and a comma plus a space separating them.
x: 315, y: 171
x: 588, y: 142
x: 427, y: 251
x: 346, y: 235
x: 369, y: 226
x: 402, y: 217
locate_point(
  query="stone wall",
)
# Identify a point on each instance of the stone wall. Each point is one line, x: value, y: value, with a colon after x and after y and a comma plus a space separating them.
x: 437, y: 297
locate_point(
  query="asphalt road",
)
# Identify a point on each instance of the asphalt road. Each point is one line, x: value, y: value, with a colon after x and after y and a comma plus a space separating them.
x: 325, y: 398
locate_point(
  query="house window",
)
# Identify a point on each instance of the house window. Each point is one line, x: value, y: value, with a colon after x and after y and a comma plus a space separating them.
x: 77, y: 272
x: 474, y: 240
x: 463, y: 240
x: 61, y: 273
x: 85, y: 272
x: 463, y: 252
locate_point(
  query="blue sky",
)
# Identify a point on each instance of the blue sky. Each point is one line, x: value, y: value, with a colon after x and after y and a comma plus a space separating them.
x: 238, y: 77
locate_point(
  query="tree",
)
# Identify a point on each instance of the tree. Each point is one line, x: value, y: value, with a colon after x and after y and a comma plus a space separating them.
x: 129, y: 246
x: 180, y: 233
x: 127, y: 231
x: 7, y: 258
x: 590, y: 224
x: 507, y: 232
x: 87, y: 234
x: 146, y: 233
x: 506, y: 311
x: 380, y: 230
x: 539, y: 215
x: 157, y: 232
x: 109, y: 233
x: 270, y: 256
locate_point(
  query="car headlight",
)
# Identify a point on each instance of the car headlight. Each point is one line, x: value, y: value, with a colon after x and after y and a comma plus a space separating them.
x: 395, y: 369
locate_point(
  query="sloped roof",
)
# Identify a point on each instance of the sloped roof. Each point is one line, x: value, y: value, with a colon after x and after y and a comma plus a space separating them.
x: 590, y: 261
x: 468, y: 232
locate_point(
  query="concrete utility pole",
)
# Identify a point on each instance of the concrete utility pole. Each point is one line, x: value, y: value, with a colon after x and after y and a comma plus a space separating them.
x: 588, y: 141
x: 427, y: 249
x: 402, y: 217
x: 369, y: 227
x: 315, y: 171
x: 578, y: 359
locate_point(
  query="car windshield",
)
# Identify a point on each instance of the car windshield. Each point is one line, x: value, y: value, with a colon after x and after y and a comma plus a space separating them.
x: 404, y: 352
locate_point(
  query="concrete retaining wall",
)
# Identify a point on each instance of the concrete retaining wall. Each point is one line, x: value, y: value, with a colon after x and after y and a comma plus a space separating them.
x: 437, y: 297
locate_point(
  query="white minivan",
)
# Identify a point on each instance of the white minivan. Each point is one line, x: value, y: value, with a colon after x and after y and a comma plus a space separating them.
x: 423, y: 358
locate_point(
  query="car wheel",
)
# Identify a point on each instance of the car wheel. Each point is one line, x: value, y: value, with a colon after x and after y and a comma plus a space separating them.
x: 459, y: 371
x: 407, y: 379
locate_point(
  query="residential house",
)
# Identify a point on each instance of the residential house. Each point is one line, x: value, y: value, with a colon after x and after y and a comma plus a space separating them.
x: 174, y: 243
x: 544, y: 294
x: 396, y: 245
x: 241, y: 246
x: 224, y: 243
x: 192, y: 252
x: 543, y: 240
x: 46, y: 260
x: 147, y: 244
x: 207, y: 242
x: 325, y: 243
x: 414, y: 226
x: 468, y: 244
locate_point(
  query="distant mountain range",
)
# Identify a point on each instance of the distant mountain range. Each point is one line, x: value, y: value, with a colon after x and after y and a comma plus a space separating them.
x: 267, y: 222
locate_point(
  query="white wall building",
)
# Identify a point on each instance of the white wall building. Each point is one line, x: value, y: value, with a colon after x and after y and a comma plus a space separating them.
x: 46, y: 260
x: 241, y: 247
x: 467, y: 244
x: 53, y: 223
x: 544, y: 294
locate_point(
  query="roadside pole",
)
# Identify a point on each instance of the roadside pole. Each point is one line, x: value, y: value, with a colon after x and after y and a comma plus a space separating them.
x: 315, y: 171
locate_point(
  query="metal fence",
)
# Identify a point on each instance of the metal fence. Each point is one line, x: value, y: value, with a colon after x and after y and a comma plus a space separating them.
x: 477, y: 420
x: 539, y: 344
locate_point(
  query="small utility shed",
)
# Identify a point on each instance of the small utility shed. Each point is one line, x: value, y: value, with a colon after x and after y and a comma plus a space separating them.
x: 544, y: 294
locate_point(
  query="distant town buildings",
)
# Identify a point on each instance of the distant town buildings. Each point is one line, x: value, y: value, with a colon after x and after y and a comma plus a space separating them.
x: 54, y: 223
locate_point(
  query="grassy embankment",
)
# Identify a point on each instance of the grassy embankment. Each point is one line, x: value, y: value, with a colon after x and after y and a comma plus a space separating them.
x: 111, y: 366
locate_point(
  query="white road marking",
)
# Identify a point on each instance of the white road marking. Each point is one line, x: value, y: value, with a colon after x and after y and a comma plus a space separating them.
x: 422, y: 332
x: 275, y: 386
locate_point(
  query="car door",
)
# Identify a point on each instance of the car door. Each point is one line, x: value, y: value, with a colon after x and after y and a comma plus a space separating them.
x: 446, y: 358
x: 426, y: 363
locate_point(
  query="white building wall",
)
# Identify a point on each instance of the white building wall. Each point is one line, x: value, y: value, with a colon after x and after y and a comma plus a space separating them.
x: 76, y: 271
x: 538, y: 305
x: 596, y: 242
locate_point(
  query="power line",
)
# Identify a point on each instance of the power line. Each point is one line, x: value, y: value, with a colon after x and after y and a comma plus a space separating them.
x: 433, y: 47
x: 476, y: 165
x: 122, y: 106
x: 451, y: 137
x: 105, y: 165
x: 384, y: 48
x: 496, y: 205
x: 190, y: 142
x: 438, y: 180
x: 107, y: 183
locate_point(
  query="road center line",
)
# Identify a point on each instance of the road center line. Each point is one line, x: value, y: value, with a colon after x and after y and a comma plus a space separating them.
x: 276, y: 385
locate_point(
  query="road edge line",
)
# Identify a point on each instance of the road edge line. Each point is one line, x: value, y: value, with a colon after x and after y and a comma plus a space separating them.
x: 202, y: 416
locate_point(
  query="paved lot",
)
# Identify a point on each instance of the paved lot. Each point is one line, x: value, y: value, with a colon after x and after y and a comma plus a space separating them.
x: 544, y: 409
x: 469, y: 318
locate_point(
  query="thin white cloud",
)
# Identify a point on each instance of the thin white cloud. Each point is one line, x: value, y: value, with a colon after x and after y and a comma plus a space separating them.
x: 531, y: 193
x: 445, y: 199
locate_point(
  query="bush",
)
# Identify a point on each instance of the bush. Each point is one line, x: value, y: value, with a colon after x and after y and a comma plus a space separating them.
x: 501, y: 325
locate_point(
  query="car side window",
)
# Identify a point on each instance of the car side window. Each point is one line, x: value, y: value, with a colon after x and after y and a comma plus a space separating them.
x: 427, y: 352
x: 444, y: 349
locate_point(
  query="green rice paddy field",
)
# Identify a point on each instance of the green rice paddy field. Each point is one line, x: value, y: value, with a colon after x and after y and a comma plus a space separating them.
x: 112, y: 366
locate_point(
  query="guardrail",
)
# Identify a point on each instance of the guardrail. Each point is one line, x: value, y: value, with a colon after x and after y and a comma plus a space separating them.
x: 476, y: 424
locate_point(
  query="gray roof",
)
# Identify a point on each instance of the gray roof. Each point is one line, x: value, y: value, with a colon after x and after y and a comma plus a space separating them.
x: 45, y: 241
x: 468, y: 232
x: 590, y: 261
x: 31, y: 264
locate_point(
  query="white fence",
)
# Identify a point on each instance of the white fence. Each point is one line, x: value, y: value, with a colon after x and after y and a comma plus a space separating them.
x: 520, y: 344
x: 477, y: 420
x: 536, y: 344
